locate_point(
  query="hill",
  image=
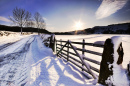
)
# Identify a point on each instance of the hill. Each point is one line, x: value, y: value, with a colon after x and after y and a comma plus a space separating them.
x: 25, y: 29
x: 123, y: 28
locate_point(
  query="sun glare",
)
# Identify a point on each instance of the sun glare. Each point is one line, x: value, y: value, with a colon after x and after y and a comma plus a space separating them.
x: 78, y: 25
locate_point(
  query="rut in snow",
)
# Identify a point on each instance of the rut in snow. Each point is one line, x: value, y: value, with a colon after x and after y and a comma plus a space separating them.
x: 14, y: 62
x: 6, y: 45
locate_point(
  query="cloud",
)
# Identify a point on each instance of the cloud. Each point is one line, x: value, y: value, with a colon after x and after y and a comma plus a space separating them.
x: 4, y: 19
x: 108, y: 7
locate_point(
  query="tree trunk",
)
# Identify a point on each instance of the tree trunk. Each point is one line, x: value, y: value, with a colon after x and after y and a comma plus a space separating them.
x: 38, y: 32
x: 21, y: 30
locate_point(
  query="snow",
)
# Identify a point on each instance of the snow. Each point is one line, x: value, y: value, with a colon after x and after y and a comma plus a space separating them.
x: 11, y: 37
x: 116, y: 42
x: 74, y: 47
x: 28, y: 62
x: 48, y: 70
x: 15, y: 47
x: 99, y: 42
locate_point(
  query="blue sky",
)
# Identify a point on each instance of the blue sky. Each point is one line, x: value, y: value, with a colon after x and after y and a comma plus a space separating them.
x: 69, y: 15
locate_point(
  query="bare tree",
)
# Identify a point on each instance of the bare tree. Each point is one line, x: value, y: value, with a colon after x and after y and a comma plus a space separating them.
x: 30, y: 24
x: 39, y: 21
x: 20, y: 17
x: 42, y: 24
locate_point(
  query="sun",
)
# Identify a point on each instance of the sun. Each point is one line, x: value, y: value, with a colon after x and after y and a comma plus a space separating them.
x: 78, y: 25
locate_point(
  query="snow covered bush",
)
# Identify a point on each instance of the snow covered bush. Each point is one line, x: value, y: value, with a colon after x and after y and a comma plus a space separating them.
x: 4, y: 33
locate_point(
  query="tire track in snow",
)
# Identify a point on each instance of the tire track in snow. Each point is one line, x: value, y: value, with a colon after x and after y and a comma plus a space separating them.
x: 13, y: 66
x: 22, y: 79
x: 6, y: 45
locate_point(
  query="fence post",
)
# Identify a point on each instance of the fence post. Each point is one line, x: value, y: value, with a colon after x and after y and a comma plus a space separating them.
x: 68, y: 52
x: 52, y: 42
x: 83, y: 47
x: 112, y: 57
x: 128, y: 69
x: 61, y: 44
x: 56, y: 47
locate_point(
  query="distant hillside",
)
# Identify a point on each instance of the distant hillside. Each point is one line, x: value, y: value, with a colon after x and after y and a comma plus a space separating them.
x: 25, y: 29
x: 123, y: 28
x: 110, y: 29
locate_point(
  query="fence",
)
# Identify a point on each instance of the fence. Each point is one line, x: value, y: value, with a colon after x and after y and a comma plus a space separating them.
x: 67, y: 54
x: 64, y: 50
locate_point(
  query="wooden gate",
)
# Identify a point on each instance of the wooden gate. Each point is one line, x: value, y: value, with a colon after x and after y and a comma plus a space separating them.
x: 61, y: 52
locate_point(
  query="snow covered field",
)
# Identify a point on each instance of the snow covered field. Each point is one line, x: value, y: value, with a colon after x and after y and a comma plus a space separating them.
x: 27, y: 62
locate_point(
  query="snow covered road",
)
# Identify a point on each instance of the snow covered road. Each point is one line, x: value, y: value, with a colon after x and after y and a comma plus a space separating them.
x: 12, y: 61
x: 29, y: 63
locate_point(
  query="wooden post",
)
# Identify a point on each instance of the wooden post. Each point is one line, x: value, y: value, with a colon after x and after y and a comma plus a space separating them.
x: 68, y: 52
x: 83, y: 47
x: 56, y: 47
x: 128, y: 69
x: 61, y: 44
x: 52, y: 42
x: 86, y: 64
x: 112, y: 57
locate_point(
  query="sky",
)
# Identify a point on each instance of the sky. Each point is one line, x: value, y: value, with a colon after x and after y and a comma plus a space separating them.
x: 70, y: 15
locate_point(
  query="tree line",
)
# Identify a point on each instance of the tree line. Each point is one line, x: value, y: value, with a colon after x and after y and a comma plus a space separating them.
x: 24, y: 18
x: 24, y: 29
